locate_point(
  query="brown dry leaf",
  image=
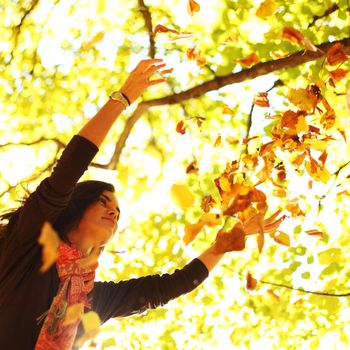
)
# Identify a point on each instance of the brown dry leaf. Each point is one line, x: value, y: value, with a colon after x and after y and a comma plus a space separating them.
x: 192, y: 168
x: 323, y: 157
x: 207, y: 203
x: 73, y: 314
x: 182, y: 196
x: 249, y: 60
x: 251, y: 282
x: 281, y: 238
x: 180, y: 127
x: 335, y: 55
x: 266, y: 9
x: 261, y: 100
x: 192, y: 7
x: 96, y: 39
x: 49, y: 240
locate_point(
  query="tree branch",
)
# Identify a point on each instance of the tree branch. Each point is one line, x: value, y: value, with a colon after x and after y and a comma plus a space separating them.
x: 257, y: 70
x: 148, y: 22
x: 329, y: 11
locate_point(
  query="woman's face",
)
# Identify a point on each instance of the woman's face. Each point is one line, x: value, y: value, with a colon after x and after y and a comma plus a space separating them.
x: 100, y: 219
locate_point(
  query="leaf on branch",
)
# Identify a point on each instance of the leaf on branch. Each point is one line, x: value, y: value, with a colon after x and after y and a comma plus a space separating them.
x: 95, y: 40
x: 49, y: 240
x: 292, y: 35
x: 266, y: 9
x: 261, y: 100
x: 335, y: 55
x: 248, y: 61
x: 251, y: 282
x: 192, y: 7
x: 180, y: 127
x: 159, y: 28
x: 181, y: 196
x: 338, y: 74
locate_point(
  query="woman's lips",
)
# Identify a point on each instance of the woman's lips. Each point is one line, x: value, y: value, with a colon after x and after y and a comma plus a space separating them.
x: 110, y: 220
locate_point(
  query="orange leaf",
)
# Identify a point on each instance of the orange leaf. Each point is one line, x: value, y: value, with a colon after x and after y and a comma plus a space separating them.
x: 294, y: 210
x: 194, y: 54
x: 261, y: 100
x: 227, y: 110
x: 314, y: 232
x: 159, y: 28
x: 180, y: 127
x: 191, y: 231
x: 250, y: 60
x: 193, y: 7
x: 266, y: 9
x: 345, y: 192
x: 292, y: 35
x: 338, y: 74
x: 280, y: 193
x: 251, y: 282
x: 335, y: 55
x: 233, y: 240
x: 217, y: 141
x: 211, y: 219
x: 323, y: 157
x: 96, y: 39
x: 233, y: 38
x: 192, y: 168
x: 281, y: 238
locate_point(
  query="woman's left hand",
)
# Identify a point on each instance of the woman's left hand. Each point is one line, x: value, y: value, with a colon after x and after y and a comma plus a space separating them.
x: 139, y: 78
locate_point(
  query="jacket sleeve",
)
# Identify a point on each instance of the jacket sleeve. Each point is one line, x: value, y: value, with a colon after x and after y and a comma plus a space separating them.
x: 53, y: 193
x: 110, y: 299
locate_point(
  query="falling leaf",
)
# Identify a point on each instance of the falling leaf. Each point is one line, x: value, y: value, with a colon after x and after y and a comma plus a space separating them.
x: 251, y: 282
x: 207, y: 203
x: 49, y: 241
x: 249, y: 60
x: 345, y: 192
x: 96, y: 39
x: 227, y: 110
x: 233, y: 38
x: 191, y: 231
x: 91, y: 323
x: 323, y: 157
x: 166, y: 71
x: 181, y: 196
x: 273, y: 294
x: 192, y: 168
x: 211, y: 219
x: 301, y: 99
x: 280, y: 193
x: 261, y: 100
x: 224, y: 184
x: 314, y: 232
x: 73, y: 314
x: 335, y: 55
x: 328, y: 256
x: 292, y: 35
x: 192, y: 7
x: 294, y: 209
x: 159, y: 28
x: 281, y: 238
x: 217, y: 141
x: 266, y: 9
x: 180, y: 127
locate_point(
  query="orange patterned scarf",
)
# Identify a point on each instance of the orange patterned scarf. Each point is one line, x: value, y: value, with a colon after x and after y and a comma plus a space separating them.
x: 76, y: 281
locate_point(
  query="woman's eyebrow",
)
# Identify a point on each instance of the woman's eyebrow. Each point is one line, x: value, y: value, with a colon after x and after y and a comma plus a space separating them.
x: 109, y: 200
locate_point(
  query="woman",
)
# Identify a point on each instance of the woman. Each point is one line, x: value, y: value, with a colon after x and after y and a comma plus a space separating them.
x: 33, y: 304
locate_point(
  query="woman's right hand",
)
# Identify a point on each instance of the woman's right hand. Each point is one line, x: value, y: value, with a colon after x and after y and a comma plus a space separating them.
x: 139, y: 78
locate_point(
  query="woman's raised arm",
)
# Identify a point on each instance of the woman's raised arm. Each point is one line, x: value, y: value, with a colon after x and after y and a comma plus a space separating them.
x: 97, y: 128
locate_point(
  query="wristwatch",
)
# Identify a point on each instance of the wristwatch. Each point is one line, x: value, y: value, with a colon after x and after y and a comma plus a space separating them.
x: 119, y: 96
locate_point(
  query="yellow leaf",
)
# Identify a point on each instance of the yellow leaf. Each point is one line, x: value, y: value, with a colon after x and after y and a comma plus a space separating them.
x: 210, y: 219
x: 224, y: 184
x: 267, y: 8
x: 191, y: 231
x: 96, y: 39
x: 319, y: 145
x: 73, y: 314
x: 50, y: 241
x: 181, y: 196
x: 300, y: 98
x: 328, y: 256
x: 281, y: 238
x: 91, y: 323
x: 302, y: 125
x: 227, y: 110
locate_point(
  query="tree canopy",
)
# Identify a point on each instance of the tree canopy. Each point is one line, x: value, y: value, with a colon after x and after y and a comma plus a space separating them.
x: 253, y: 120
